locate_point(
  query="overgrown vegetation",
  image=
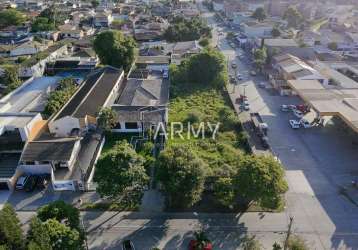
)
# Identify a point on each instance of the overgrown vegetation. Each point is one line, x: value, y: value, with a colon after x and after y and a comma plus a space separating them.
x: 42, y: 24
x: 115, y: 49
x: 60, y: 95
x: 10, y: 78
x: 191, y: 164
x: 182, y: 29
x: 11, y: 17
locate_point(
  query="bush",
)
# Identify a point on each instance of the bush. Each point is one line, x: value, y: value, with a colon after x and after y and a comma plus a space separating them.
x: 297, y: 243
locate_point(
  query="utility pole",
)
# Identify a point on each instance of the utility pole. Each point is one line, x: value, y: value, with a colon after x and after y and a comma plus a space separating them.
x: 288, y: 233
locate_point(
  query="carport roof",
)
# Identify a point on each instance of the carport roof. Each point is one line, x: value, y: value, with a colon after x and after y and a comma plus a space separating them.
x: 329, y: 102
x: 49, y: 150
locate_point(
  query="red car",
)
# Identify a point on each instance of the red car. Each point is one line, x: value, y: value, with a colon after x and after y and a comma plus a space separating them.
x: 193, y: 245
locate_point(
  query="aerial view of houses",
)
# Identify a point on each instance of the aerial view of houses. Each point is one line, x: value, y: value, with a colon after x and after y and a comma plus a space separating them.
x: 186, y: 124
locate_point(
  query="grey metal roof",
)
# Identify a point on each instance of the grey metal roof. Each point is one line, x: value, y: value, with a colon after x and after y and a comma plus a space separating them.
x: 139, y: 92
x: 49, y: 150
x: 92, y: 94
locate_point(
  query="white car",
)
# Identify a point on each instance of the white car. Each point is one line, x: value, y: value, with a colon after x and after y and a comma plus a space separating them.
x: 298, y: 113
x: 253, y: 73
x: 239, y: 77
x: 305, y: 123
x: 21, y: 181
x: 294, y: 124
x: 246, y: 105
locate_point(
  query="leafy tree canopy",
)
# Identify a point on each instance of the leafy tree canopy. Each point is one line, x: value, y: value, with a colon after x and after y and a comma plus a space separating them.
x: 207, y: 67
x: 182, y: 29
x: 275, y: 32
x: 60, y: 96
x: 259, y: 14
x: 38, y: 237
x: 10, y: 78
x: 260, y: 57
x: 182, y: 174
x: 113, y: 48
x: 11, y: 17
x: 10, y: 230
x: 42, y: 24
x: 106, y: 119
x: 60, y: 211
x: 261, y: 179
x: 62, y: 236
x: 293, y: 17
x: 119, y: 171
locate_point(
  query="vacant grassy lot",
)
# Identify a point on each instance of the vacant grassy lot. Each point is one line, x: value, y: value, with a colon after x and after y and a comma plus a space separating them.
x: 197, y: 104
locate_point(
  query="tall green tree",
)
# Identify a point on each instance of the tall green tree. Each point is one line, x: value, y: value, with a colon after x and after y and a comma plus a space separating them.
x: 207, y: 67
x: 62, y: 236
x: 224, y: 191
x: 107, y: 118
x: 120, y: 171
x: 10, y: 78
x: 10, y: 230
x: 261, y: 179
x: 38, y: 237
x: 60, y: 211
x: 259, y: 14
x: 260, y: 57
x: 42, y: 24
x: 11, y: 17
x: 113, y: 48
x: 58, y: 98
x: 182, y: 175
x: 275, y: 32
x: 293, y: 17
x: 182, y: 29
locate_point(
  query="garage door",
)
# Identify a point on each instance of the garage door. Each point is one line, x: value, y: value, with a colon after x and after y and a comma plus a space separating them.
x: 4, y: 186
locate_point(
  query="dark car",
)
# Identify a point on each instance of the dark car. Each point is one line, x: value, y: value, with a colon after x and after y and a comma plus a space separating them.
x: 43, y: 180
x: 31, y: 183
x: 128, y: 245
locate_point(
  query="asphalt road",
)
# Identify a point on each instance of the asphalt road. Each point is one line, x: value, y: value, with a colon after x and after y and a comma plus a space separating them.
x: 318, y: 161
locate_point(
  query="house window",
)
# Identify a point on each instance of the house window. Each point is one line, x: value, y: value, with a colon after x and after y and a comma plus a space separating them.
x: 131, y: 125
x: 117, y: 126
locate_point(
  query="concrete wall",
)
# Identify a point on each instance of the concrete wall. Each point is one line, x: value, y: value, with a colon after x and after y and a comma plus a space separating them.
x: 63, y: 127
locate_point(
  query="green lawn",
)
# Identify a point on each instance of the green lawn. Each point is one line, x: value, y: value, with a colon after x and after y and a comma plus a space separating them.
x: 208, y: 105
x: 112, y: 138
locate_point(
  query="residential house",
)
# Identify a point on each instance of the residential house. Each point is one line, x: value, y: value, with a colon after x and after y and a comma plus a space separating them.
x: 103, y: 19
x: 142, y: 105
x: 254, y: 29
x: 35, y: 66
x: 182, y: 50
x: 100, y: 89
x: 69, y: 148
x: 28, y: 48
x: 288, y: 67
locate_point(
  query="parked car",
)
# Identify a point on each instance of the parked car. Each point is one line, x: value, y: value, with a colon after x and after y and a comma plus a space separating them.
x: 303, y: 108
x: 21, y: 182
x: 233, y: 80
x: 298, y: 113
x: 165, y: 74
x: 262, y: 85
x: 305, y: 123
x: 246, y: 105
x: 233, y: 65
x: 253, y: 73
x: 31, y: 183
x: 128, y: 245
x: 286, y: 108
x: 239, y: 77
x: 294, y: 124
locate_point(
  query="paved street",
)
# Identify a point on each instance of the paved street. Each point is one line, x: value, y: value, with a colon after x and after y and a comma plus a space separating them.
x: 318, y: 161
